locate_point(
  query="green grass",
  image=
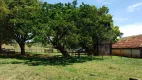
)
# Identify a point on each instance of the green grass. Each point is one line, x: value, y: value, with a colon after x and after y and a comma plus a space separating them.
x: 42, y: 67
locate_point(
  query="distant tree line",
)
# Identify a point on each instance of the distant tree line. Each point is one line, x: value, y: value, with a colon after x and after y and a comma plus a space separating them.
x: 64, y: 25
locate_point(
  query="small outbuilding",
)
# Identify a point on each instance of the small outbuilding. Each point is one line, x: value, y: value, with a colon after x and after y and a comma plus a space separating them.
x: 128, y: 46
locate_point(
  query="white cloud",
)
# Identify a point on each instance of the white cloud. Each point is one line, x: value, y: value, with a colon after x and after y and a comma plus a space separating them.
x: 134, y: 7
x: 132, y: 29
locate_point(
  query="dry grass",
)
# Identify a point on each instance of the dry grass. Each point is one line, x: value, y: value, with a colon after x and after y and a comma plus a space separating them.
x: 94, y: 68
x: 34, y: 49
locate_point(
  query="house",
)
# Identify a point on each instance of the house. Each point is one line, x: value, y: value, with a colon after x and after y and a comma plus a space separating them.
x: 128, y: 46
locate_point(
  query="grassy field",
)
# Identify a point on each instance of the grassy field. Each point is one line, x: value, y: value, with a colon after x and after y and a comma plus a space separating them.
x: 34, y: 48
x: 40, y: 67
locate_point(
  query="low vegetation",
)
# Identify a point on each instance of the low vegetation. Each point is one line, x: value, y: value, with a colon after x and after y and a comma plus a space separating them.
x: 38, y: 67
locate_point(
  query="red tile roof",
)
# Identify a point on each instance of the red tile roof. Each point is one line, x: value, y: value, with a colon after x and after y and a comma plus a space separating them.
x: 129, y: 42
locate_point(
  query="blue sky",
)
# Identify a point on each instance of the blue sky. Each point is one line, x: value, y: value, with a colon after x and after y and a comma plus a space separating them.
x: 127, y: 14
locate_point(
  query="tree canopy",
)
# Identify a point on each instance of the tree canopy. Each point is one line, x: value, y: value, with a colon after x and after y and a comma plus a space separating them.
x: 23, y: 19
x: 63, y: 25
x: 4, y: 26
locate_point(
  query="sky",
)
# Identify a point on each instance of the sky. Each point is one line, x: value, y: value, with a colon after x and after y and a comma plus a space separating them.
x: 127, y: 14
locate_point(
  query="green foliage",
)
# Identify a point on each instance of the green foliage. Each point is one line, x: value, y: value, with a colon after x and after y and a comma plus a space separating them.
x: 3, y: 22
x: 95, y: 27
x: 29, y: 44
x: 23, y: 19
x: 65, y: 26
x: 59, y: 29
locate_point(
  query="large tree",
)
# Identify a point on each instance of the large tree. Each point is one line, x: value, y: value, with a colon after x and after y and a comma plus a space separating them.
x: 62, y: 25
x: 59, y: 29
x: 24, y: 20
x: 95, y: 25
x: 68, y: 26
x: 4, y: 25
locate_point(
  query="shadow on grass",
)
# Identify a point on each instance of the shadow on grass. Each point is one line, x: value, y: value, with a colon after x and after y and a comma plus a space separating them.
x: 40, y: 59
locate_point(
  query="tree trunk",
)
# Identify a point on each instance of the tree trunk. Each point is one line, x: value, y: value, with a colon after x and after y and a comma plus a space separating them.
x: 22, y: 47
x: 89, y: 51
x: 63, y: 51
x: 110, y: 49
x: 95, y: 49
